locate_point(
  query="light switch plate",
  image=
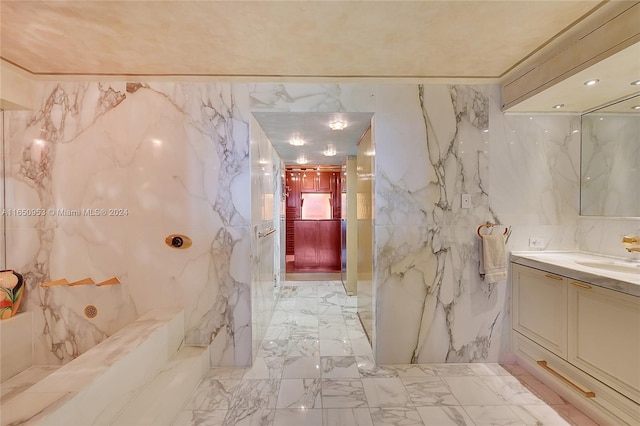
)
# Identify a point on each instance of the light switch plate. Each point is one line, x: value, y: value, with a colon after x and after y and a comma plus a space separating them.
x: 466, y: 201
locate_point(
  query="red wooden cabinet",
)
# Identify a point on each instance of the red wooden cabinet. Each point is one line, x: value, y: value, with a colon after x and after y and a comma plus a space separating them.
x: 317, y: 244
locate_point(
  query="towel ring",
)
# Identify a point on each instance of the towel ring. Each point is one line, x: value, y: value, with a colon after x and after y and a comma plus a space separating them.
x: 490, y: 225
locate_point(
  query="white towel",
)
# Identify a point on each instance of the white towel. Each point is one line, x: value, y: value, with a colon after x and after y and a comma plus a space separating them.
x: 493, y: 259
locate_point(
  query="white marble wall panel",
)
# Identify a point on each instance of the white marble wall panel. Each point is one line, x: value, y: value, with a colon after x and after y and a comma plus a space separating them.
x: 266, y: 194
x: 175, y: 158
x: 16, y: 347
x: 604, y: 235
x: 427, y: 256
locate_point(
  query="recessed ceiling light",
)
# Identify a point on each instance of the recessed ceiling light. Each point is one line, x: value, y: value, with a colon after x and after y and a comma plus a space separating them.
x: 635, y: 83
x: 635, y: 107
x: 338, y: 125
x: 591, y: 82
x: 330, y: 151
x: 296, y: 141
x: 558, y: 106
x: 302, y: 160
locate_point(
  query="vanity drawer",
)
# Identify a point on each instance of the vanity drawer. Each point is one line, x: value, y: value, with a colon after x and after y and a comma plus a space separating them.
x: 604, y: 336
x: 540, y: 307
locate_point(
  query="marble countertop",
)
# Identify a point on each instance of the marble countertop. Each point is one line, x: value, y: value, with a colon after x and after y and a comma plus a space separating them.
x: 603, y: 271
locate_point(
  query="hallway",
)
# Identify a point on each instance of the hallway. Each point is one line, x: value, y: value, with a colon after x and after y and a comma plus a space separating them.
x: 315, y: 367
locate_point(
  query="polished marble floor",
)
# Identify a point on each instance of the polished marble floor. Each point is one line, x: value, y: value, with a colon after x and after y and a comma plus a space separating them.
x: 315, y: 367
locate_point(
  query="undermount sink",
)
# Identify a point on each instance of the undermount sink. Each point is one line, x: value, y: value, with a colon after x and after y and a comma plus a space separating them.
x: 611, y: 266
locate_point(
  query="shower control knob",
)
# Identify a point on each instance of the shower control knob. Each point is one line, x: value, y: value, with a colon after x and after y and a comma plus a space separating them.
x: 178, y: 241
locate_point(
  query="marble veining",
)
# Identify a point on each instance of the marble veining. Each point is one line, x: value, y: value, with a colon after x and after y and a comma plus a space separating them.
x: 150, y: 149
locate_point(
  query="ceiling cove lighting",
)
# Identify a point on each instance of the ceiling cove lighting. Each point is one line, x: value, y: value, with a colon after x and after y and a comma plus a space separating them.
x: 302, y: 160
x: 338, y: 124
x: 635, y: 83
x: 591, y: 82
x: 330, y: 151
x: 558, y: 106
x: 296, y: 141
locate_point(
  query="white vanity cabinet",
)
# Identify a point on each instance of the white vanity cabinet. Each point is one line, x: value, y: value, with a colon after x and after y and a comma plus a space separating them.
x: 540, y: 307
x: 580, y: 339
x: 604, y: 336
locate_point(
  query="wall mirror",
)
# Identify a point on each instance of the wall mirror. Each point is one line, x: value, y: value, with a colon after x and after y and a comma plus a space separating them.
x: 610, y: 160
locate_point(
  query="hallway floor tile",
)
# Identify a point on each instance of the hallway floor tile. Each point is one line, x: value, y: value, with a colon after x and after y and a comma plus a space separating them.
x: 315, y: 367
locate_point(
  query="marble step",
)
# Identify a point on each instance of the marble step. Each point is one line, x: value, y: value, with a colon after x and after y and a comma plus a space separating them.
x: 94, y: 387
x: 163, y: 397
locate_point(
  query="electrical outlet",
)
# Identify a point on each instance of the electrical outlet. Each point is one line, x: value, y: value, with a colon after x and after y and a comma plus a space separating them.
x: 536, y: 242
x: 466, y: 201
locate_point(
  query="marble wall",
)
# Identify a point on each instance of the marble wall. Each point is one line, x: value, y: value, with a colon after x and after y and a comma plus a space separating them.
x: 178, y: 158
x: 152, y: 159
x: 433, y: 143
x: 266, y: 207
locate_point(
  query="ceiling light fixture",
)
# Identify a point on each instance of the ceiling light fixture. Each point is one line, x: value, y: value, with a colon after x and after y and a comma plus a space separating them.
x: 338, y: 124
x: 330, y: 151
x: 296, y: 141
x: 591, y: 82
x: 635, y: 83
x: 635, y: 107
x: 302, y: 160
x: 558, y: 106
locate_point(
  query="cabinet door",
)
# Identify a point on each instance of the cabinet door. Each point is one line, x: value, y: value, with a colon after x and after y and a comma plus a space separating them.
x: 308, y: 182
x: 324, y: 181
x: 540, y: 307
x: 604, y: 336
x: 293, y: 189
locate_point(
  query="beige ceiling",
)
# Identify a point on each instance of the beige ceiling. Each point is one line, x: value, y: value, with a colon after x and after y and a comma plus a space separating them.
x: 449, y: 39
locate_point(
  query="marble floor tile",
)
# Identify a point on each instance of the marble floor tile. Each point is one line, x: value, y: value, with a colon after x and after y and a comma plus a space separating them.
x: 265, y: 368
x: 333, y: 310
x: 212, y: 394
x: 304, y: 367
x: 24, y: 380
x: 488, y: 369
x: 410, y: 370
x: 273, y: 348
x: 396, y: 416
x: 448, y: 370
x: 361, y: 347
x: 368, y: 368
x: 299, y: 394
x: 304, y: 332
x: 511, y: 390
x: 331, y: 320
x: 339, y: 367
x: 343, y: 393
x: 472, y: 391
x: 302, y: 417
x: 333, y: 331
x: 303, y: 347
x: 346, y: 417
x: 255, y: 394
x: 335, y: 347
x: 277, y: 333
x: 386, y: 392
x: 231, y: 373
x: 444, y: 416
x: 428, y: 391
x: 493, y: 416
x: 301, y: 363
x: 539, y: 415
x: 199, y: 418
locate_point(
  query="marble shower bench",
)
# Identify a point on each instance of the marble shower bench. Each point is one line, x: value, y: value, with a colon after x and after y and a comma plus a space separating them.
x: 122, y: 380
